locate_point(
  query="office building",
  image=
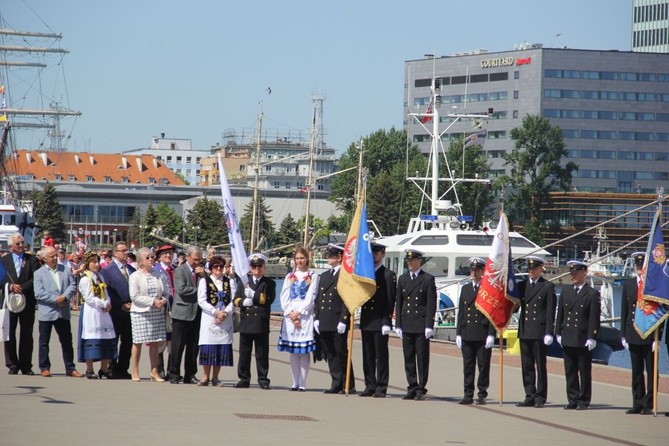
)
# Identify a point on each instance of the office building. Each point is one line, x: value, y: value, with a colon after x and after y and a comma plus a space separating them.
x: 650, y: 26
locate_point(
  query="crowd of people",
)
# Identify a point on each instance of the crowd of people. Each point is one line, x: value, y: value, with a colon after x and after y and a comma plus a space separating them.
x: 192, y: 307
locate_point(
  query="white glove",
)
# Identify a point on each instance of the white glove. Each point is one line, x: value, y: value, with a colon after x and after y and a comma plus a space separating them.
x: 489, y: 341
x: 548, y: 339
x: 248, y: 292
x: 248, y: 302
x: 428, y: 333
x: 625, y: 344
x: 591, y: 344
x: 653, y: 348
x: 559, y: 339
x: 317, y: 324
x: 341, y: 328
x: 398, y: 332
x: 385, y: 330
x: 458, y: 341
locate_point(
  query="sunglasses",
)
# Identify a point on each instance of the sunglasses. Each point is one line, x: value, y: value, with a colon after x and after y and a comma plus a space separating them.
x: 149, y: 257
x: 217, y: 267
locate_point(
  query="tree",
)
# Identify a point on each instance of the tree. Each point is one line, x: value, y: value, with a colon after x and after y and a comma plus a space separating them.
x: 149, y: 223
x: 536, y: 170
x: 49, y: 213
x: 383, y: 203
x: 134, y: 231
x: 207, y: 220
x: 317, y: 229
x: 169, y: 220
x: 475, y: 198
x: 263, y: 221
x: 288, y: 232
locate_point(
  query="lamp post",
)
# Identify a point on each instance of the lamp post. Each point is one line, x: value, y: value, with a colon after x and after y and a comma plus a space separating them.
x: 183, y: 235
x: 195, y: 229
x: 115, y: 231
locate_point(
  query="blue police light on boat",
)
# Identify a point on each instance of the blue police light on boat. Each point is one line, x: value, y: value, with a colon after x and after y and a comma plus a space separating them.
x: 465, y: 218
x: 428, y: 217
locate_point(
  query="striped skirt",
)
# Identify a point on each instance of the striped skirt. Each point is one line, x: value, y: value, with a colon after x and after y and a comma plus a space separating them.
x: 148, y: 326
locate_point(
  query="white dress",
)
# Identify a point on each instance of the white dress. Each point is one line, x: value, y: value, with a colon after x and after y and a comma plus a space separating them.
x: 96, y: 324
x: 210, y: 332
x: 298, y: 294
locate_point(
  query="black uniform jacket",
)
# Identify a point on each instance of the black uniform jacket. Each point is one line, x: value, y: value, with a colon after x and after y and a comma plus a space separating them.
x: 537, y: 309
x: 578, y: 315
x: 378, y: 310
x: 472, y: 324
x: 329, y: 309
x: 255, y: 319
x: 416, y: 302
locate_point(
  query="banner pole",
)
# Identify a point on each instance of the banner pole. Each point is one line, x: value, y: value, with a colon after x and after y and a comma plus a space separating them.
x: 655, y: 372
x: 501, y: 369
x: 350, y: 352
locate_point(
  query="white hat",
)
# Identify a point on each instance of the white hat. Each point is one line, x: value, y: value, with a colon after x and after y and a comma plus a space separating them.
x: 257, y: 257
x: 16, y: 302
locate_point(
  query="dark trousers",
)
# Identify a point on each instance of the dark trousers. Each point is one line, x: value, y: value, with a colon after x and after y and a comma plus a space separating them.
x: 335, y: 347
x: 416, y: 351
x: 23, y: 360
x: 474, y: 352
x: 642, y: 357
x: 375, y: 361
x: 123, y: 329
x: 578, y: 373
x: 246, y: 344
x: 64, y: 332
x: 185, y: 337
x: 533, y: 364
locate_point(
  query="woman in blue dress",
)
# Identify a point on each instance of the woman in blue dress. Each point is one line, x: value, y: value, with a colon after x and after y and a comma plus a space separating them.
x: 297, y: 330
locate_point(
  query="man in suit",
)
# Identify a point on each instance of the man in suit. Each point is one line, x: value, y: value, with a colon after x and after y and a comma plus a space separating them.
x: 115, y: 275
x: 576, y: 329
x: 20, y: 267
x: 535, y: 331
x: 375, y: 323
x: 415, y: 306
x: 255, y: 304
x: 641, y: 350
x: 54, y: 286
x: 475, y: 336
x: 163, y: 267
x: 186, y: 315
x: 331, y: 321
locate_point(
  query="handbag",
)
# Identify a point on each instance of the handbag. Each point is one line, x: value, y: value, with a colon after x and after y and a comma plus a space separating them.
x: 4, y: 316
x: 168, y: 318
x: 236, y: 320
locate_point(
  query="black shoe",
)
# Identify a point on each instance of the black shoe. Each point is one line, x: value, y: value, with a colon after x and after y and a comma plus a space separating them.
x: 301, y: 389
x: 480, y: 401
x: 350, y: 391
x: 466, y: 400
x: 191, y: 380
x: 420, y: 397
x: 264, y: 386
x: 332, y: 390
x: 13, y: 370
x: 121, y: 375
x: 570, y: 407
x: 526, y: 403
x: 581, y: 407
x: 28, y: 372
x: 104, y: 375
x: 366, y: 392
x: 539, y: 403
x: 633, y: 410
x: 293, y: 389
x: 409, y: 396
x: 647, y: 411
x: 379, y: 394
x: 174, y: 379
x: 91, y: 375
x: 242, y: 385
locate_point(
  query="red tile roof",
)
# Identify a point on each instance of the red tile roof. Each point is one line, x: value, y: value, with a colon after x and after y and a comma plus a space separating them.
x: 90, y: 167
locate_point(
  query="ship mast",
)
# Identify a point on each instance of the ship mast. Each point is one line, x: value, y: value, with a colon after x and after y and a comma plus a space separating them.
x: 256, y: 169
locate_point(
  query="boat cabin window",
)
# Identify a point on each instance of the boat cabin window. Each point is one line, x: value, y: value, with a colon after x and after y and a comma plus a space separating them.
x: 431, y: 240
x: 462, y: 266
x: 435, y: 265
x: 475, y: 239
x: 518, y: 242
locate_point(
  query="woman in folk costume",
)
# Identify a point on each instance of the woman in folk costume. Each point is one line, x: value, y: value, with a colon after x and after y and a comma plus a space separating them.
x: 97, y: 339
x: 214, y: 297
x: 297, y: 330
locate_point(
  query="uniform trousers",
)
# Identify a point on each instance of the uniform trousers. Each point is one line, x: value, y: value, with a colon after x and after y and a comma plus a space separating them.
x: 578, y: 373
x: 335, y: 347
x: 535, y: 374
x: 64, y: 331
x: 416, y: 351
x: 246, y: 343
x: 642, y: 357
x: 375, y: 360
x: 23, y: 360
x: 474, y: 352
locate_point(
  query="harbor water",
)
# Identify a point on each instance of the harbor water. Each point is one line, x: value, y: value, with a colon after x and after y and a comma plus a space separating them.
x: 618, y: 359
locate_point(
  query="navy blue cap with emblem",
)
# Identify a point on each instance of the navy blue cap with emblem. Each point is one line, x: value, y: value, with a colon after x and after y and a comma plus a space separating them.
x: 476, y: 262
x: 378, y: 247
x: 334, y: 250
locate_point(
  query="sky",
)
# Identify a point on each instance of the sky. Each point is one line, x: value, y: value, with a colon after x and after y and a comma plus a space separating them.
x: 191, y: 70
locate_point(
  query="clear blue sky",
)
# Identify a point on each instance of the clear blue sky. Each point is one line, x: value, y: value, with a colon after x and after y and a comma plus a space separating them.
x: 137, y: 68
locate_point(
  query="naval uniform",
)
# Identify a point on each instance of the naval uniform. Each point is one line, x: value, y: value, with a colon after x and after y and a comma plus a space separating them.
x: 641, y: 350
x: 415, y: 306
x: 254, y: 328
x: 474, y: 327
x: 376, y: 313
x: 330, y: 310
x: 537, y: 318
x: 577, y: 321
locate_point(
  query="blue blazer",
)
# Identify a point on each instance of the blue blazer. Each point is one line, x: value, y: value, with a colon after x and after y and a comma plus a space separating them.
x: 117, y: 287
x: 46, y: 293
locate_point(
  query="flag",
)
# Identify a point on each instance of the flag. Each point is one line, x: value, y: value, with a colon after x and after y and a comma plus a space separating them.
x: 428, y: 116
x: 498, y: 295
x: 357, y: 280
x: 239, y: 258
x: 475, y: 137
x: 652, y: 303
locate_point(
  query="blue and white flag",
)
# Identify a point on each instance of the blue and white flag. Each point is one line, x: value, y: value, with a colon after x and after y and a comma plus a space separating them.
x: 239, y: 258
